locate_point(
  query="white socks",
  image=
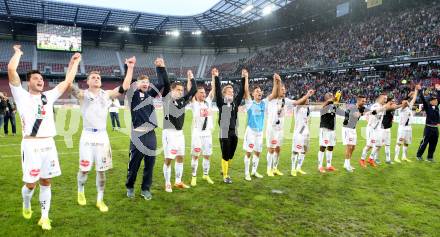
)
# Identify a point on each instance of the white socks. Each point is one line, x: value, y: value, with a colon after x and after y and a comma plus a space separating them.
x: 27, y: 193
x: 178, y: 168
x: 301, y: 157
x: 347, y: 164
x: 276, y: 160
x: 81, y: 179
x: 45, y: 196
x: 247, y: 162
x: 194, y: 166
x: 294, y: 159
x: 329, y: 155
x: 269, y: 159
x: 100, y: 185
x: 167, y: 173
x: 364, y: 153
x: 404, y: 151
x: 387, y: 153
x: 320, y: 158
x: 396, y: 152
x: 206, y: 164
x: 255, y: 161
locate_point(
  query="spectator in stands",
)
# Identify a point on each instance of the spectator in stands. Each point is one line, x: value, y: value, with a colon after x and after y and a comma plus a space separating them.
x: 114, y: 114
x: 11, y: 109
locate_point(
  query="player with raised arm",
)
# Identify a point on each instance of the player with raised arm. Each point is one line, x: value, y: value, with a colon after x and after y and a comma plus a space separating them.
x: 253, y: 137
x: 430, y: 133
x: 227, y: 105
x: 201, y: 137
x: 351, y: 115
x: 143, y: 141
x: 173, y: 139
x: 374, y: 130
x: 404, y: 133
x: 94, y: 144
x: 327, y: 136
x: 301, y: 133
x: 39, y: 157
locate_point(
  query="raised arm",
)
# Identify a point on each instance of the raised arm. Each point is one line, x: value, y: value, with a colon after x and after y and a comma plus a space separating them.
x: 245, y: 75
x: 193, y: 86
x: 211, y: 92
x: 14, y: 78
x: 217, y: 87
x: 131, y: 62
x: 304, y: 98
x: 70, y: 76
x: 276, y: 86
x: 414, y: 96
x: 240, y: 93
x: 164, y: 82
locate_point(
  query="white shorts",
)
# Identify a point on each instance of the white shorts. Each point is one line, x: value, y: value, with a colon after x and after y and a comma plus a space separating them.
x: 39, y: 159
x: 327, y: 137
x: 404, y: 135
x: 386, y: 137
x: 274, y: 137
x: 173, y: 142
x: 201, y: 143
x: 374, y: 137
x: 94, y: 147
x: 349, y: 136
x: 253, y: 140
x: 300, y: 142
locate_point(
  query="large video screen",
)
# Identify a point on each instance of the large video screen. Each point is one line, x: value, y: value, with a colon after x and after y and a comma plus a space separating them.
x: 59, y: 38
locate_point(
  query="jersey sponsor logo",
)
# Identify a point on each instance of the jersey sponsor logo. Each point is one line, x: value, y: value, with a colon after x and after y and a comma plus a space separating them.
x: 373, y: 141
x: 251, y: 145
x: 197, y: 149
x: 350, y: 139
x: 298, y: 147
x: 34, y: 172
x: 173, y: 151
x: 84, y: 163
x: 273, y: 142
x: 326, y: 141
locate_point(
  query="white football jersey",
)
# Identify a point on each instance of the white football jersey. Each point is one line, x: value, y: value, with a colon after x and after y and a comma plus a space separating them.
x: 302, y: 117
x: 375, y: 121
x: 94, y: 109
x: 202, y: 111
x: 33, y: 107
x: 276, y: 110
x: 405, y: 116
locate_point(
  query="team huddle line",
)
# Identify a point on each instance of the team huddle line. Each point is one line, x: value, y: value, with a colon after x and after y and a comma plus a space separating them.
x: 40, y: 158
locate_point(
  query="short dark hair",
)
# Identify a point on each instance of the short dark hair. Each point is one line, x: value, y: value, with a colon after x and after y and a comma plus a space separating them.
x: 29, y: 74
x: 361, y: 97
x: 199, y: 87
x: 176, y: 84
x: 256, y: 87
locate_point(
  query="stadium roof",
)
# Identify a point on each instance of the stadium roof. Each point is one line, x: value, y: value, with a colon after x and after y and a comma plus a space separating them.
x: 223, y: 15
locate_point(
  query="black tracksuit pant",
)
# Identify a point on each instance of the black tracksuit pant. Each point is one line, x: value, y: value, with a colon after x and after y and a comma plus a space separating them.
x: 430, y: 136
x: 142, y: 147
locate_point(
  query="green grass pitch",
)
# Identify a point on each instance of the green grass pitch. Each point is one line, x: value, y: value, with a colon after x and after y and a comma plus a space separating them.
x: 396, y: 200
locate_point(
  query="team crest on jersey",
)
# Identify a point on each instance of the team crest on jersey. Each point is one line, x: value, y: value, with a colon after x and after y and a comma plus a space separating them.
x: 84, y: 163
x: 350, y: 139
x: 34, y: 172
x: 326, y: 141
x: 251, y: 145
x: 373, y: 141
x: 274, y: 142
x: 298, y: 147
x: 173, y: 151
x: 197, y: 149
